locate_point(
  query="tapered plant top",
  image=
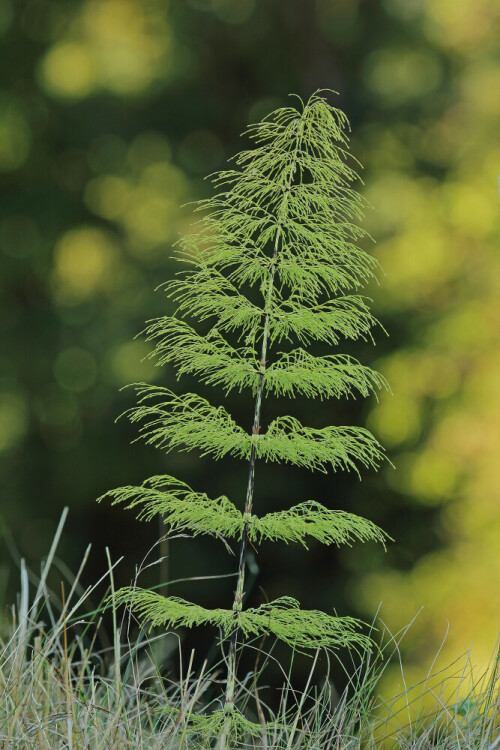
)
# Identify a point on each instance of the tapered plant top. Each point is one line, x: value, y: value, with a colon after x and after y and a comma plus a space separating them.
x: 272, y: 265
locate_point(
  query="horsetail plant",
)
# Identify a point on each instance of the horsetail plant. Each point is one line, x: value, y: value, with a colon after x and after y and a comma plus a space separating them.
x: 282, y: 223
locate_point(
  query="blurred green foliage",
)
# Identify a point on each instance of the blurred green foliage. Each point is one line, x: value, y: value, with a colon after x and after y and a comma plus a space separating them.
x: 111, y: 111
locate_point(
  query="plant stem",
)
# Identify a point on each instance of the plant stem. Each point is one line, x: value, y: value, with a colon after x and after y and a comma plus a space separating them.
x: 238, y: 594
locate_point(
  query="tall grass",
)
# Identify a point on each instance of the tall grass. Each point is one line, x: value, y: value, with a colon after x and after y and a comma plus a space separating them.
x: 61, y: 686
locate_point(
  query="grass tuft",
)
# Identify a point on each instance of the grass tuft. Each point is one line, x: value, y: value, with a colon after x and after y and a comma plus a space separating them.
x: 60, y: 689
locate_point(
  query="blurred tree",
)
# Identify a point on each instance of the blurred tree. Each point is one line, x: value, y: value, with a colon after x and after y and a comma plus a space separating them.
x: 433, y: 179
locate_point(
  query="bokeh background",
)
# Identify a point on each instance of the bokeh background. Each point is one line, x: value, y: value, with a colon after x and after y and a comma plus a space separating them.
x: 111, y: 113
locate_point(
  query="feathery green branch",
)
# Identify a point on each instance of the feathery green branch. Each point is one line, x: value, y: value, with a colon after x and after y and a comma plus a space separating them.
x: 186, y: 422
x: 282, y: 617
x: 189, y: 421
x: 313, y: 519
x: 287, y: 440
x: 211, y: 357
x: 344, y: 316
x: 180, y: 507
x: 331, y: 376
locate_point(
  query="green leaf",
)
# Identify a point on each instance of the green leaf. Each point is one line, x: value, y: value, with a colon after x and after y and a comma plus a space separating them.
x: 190, y: 421
x: 172, y: 611
x: 282, y: 617
x: 287, y: 440
x: 206, y: 293
x: 180, y: 506
x: 303, y: 628
x: 313, y: 519
x: 347, y: 317
x: 211, y: 725
x: 211, y: 357
x: 332, y: 376
x: 186, y: 422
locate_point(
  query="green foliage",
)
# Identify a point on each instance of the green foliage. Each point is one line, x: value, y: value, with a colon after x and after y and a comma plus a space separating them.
x: 287, y: 440
x: 186, y: 422
x: 216, y: 362
x: 190, y: 421
x: 271, y: 261
x: 313, y: 519
x: 206, y: 293
x: 211, y: 725
x: 332, y: 376
x: 283, y: 618
x: 211, y: 357
x: 182, y: 508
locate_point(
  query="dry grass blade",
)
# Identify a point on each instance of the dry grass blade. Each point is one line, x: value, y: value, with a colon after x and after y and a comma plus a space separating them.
x: 54, y: 695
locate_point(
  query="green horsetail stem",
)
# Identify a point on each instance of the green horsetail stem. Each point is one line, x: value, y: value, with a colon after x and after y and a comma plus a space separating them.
x: 284, y: 221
